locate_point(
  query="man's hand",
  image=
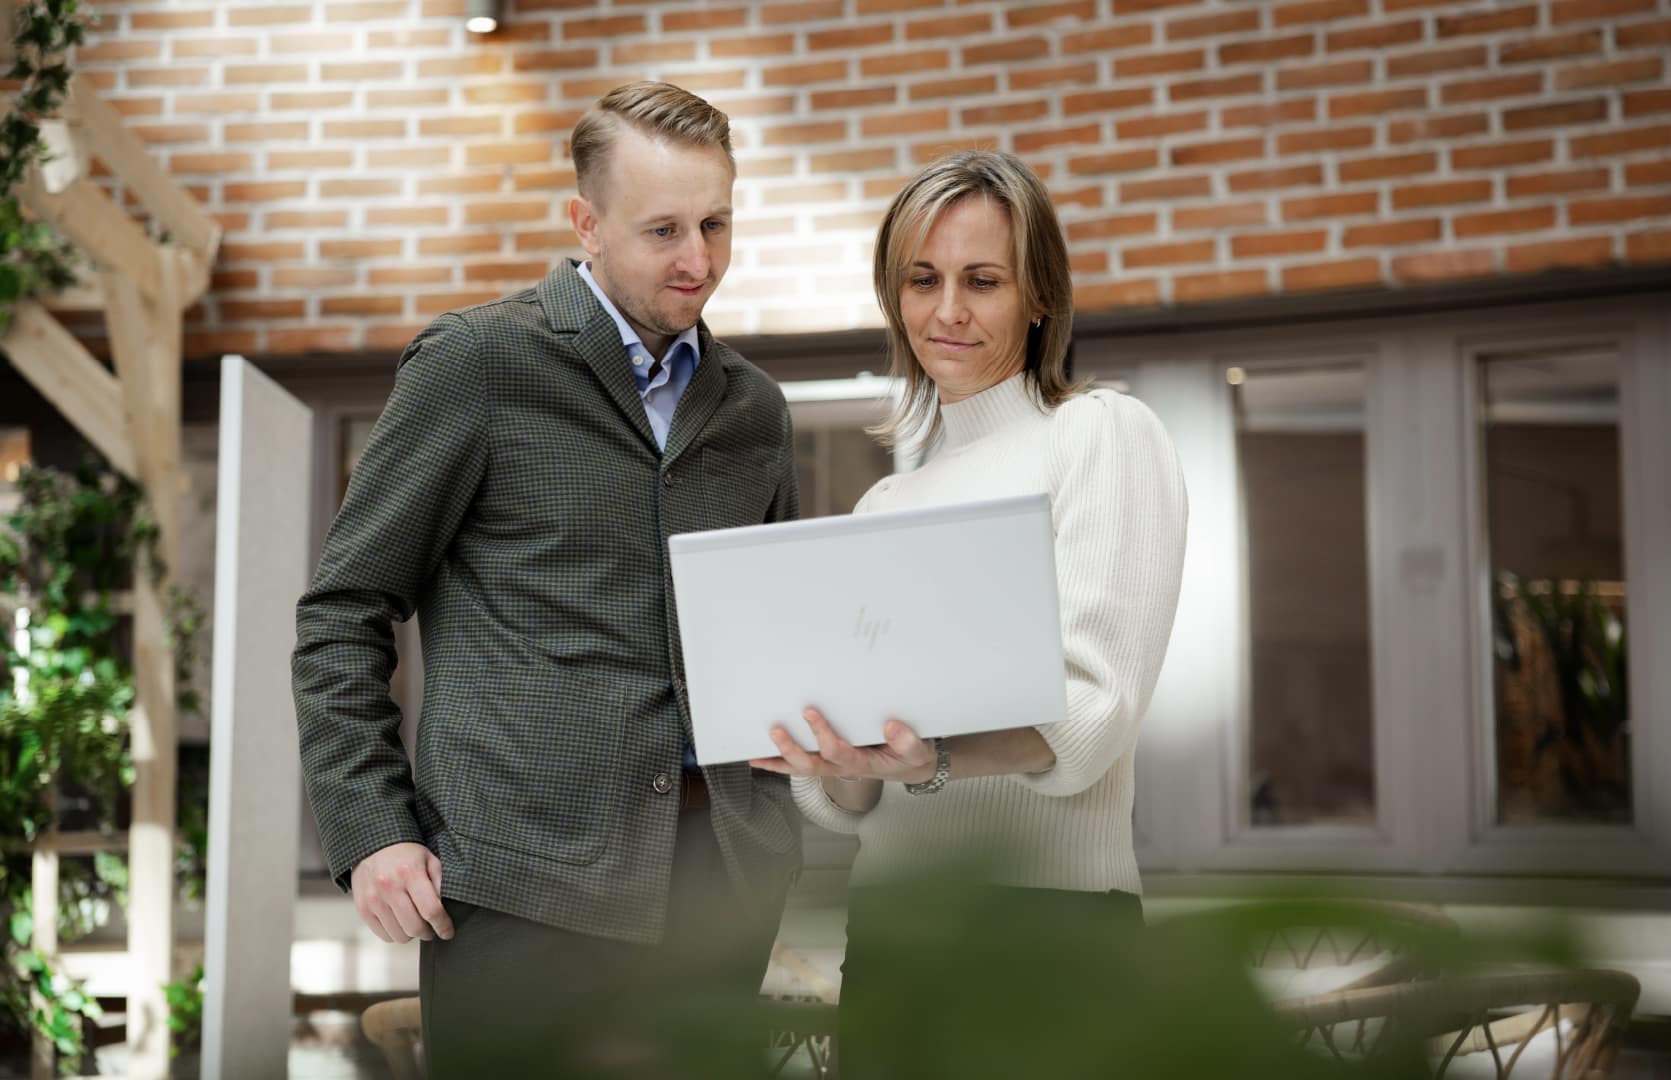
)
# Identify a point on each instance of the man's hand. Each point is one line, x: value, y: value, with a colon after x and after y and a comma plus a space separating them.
x: 397, y: 892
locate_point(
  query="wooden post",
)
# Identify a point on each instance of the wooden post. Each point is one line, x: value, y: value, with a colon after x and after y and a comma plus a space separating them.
x: 43, y: 913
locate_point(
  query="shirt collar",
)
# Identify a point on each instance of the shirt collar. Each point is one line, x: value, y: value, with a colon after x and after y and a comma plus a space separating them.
x: 629, y: 336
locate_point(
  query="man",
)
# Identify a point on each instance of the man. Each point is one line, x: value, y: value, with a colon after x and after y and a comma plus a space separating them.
x: 558, y: 852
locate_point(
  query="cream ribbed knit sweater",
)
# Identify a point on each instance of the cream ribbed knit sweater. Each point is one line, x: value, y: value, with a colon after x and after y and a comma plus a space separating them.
x: 1118, y: 506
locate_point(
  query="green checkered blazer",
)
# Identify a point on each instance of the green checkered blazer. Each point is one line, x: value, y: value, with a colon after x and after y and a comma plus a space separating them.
x: 512, y: 495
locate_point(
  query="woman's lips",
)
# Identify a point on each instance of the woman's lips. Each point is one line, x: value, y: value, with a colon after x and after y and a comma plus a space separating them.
x: 951, y: 345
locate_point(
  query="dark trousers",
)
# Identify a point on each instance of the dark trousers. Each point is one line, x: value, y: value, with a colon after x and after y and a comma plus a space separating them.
x: 971, y: 980
x: 507, y: 997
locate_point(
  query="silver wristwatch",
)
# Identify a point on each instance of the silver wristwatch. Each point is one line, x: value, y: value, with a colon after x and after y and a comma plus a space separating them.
x: 942, y: 772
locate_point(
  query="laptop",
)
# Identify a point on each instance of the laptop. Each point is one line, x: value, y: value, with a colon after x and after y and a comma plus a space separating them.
x: 945, y: 617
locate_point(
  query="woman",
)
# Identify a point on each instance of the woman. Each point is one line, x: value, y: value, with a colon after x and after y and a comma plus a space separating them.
x: 972, y: 275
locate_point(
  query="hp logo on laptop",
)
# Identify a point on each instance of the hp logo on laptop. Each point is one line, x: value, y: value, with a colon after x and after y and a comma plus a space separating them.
x: 870, y: 631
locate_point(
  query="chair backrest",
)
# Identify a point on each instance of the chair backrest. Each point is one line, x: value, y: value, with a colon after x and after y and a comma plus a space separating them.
x: 396, y: 1028
x: 1362, y: 944
x: 1479, y: 1025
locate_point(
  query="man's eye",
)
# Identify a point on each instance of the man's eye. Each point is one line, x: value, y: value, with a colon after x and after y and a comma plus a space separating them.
x: 663, y: 232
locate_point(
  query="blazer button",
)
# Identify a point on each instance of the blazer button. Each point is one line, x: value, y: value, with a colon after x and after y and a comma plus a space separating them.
x: 662, y: 783
x: 666, y: 479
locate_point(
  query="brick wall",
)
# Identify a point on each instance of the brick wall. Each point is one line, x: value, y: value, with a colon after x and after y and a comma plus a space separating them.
x: 374, y: 164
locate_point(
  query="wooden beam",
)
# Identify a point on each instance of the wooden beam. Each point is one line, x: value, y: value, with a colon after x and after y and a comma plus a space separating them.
x: 112, y: 142
x: 43, y: 880
x: 67, y: 375
x: 102, y: 230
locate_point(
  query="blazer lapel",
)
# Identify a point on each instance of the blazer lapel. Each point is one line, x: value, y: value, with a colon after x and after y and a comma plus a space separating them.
x: 700, y: 399
x: 571, y: 310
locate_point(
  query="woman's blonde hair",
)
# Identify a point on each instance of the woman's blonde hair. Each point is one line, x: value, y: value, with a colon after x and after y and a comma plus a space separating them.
x: 657, y: 109
x: 1041, y: 273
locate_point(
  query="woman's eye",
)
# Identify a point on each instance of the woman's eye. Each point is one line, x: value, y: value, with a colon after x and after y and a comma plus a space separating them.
x: 983, y: 283
x: 922, y: 282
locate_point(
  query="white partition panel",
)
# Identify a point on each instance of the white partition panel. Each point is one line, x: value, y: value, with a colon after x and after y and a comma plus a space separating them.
x: 261, y: 567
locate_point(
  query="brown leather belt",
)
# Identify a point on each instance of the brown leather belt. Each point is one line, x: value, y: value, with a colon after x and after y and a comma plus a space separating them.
x: 693, y: 795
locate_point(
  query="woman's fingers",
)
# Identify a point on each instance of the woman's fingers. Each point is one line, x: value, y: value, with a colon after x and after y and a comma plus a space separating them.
x: 905, y: 742
x: 800, y: 762
x: 831, y: 747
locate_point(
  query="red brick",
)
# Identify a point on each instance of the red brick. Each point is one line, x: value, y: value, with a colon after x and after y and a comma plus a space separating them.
x: 1088, y: 262
x: 1128, y: 67
x: 1223, y: 285
x: 1376, y: 102
x: 1013, y: 113
x: 904, y: 63
x: 235, y: 280
x: 466, y: 184
x: 1574, y: 254
x: 1657, y: 32
x: 358, y: 249
x: 1143, y: 293
x: 1384, y: 167
x: 1037, y: 13
x: 751, y: 47
x: 405, y: 99
x: 521, y: 270
x: 1115, y: 162
x: 546, y: 60
x: 1611, y: 74
x: 1562, y: 115
x: 1030, y: 141
x: 1610, y: 211
x: 653, y: 52
x: 871, y: 7
x: 1232, y: 86
x: 1495, y: 155
x: 709, y: 19
x: 1392, y: 233
x: 802, y: 74
x: 1337, y: 205
x: 1344, y: 274
x: 905, y: 123
x: 542, y: 179
x: 1653, y: 245
x: 1500, y: 86
x: 1006, y: 52
x: 1499, y: 222
x: 1303, y: 110
x: 1533, y: 50
x: 1056, y: 75
x: 1620, y: 142
x: 1646, y: 102
x: 249, y: 310
x: 460, y: 125
x: 1243, y: 21
x: 607, y: 27
x: 172, y: 133
x: 1565, y: 11
x: 1218, y: 216
x: 799, y: 134
x: 404, y: 38
x: 1429, y: 61
x: 1107, y: 101
x: 1379, y: 36
x: 517, y: 93
x: 1090, y: 197
x: 853, y: 161
x: 185, y: 48
x: 438, y: 303
x: 1444, y: 266
x: 1310, y: 11
x: 311, y: 101
x: 1216, y: 152
x: 1167, y: 187
x: 1324, y: 138
x: 96, y: 51
x: 1556, y: 183
x: 409, y: 275
x: 365, y: 129
x: 262, y: 251
x: 1267, y: 50
x: 407, y: 215
x: 1108, y: 39
x: 189, y: 164
x: 1643, y: 173
x: 773, y: 14
x: 337, y: 11
x: 1337, y: 73
x: 1425, y: 128
x: 362, y: 305
x: 850, y: 37
x: 1264, y: 245
x: 183, y: 20
x: 221, y: 342
x: 498, y: 212
x: 526, y: 152
x: 1276, y: 179
x: 976, y: 84
x: 1487, y: 21
x: 171, y: 76
x: 1148, y: 127
x: 952, y: 26
x: 1440, y: 194
x: 465, y: 244
x: 1182, y: 253
x: 361, y: 72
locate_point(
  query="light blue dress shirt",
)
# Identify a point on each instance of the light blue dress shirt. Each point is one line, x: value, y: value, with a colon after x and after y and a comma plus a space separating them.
x: 662, y: 391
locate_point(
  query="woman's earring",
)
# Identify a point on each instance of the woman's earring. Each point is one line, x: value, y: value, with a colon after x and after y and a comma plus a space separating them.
x: 1038, y: 320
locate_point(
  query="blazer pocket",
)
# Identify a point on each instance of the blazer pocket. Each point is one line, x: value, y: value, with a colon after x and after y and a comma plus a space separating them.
x: 739, y: 485
x: 538, y: 775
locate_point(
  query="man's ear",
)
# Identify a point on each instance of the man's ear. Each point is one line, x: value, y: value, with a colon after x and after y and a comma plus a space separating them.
x: 584, y: 217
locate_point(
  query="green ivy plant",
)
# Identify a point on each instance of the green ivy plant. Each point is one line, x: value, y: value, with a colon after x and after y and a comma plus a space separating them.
x: 33, y: 259
x: 65, y: 695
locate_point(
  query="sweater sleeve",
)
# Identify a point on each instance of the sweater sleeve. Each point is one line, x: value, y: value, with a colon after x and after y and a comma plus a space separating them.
x: 1119, y: 510
x: 809, y: 790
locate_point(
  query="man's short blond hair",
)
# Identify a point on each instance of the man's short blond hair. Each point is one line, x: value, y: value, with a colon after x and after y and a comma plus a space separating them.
x: 657, y: 109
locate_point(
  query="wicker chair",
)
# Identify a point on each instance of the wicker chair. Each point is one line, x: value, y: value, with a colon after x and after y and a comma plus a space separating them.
x: 1301, y: 959
x: 1479, y: 1025
x: 800, y: 1035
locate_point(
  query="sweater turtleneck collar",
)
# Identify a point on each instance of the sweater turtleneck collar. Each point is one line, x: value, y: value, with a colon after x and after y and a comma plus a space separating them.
x: 993, y: 409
